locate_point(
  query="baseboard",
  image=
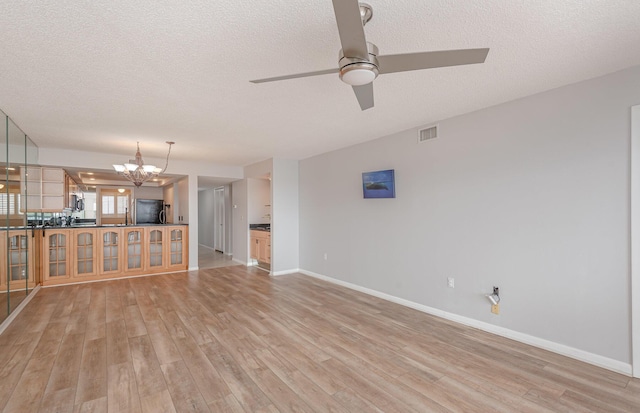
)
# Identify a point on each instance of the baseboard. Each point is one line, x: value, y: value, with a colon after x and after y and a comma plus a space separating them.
x: 18, y: 309
x: 587, y: 357
x: 207, y: 247
x: 245, y: 263
x: 285, y: 272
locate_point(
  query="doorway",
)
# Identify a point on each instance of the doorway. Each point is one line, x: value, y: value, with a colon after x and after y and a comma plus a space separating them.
x: 218, y: 219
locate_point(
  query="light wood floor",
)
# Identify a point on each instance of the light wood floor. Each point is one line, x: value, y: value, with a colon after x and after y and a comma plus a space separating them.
x: 9, y: 302
x: 234, y: 340
x: 209, y: 258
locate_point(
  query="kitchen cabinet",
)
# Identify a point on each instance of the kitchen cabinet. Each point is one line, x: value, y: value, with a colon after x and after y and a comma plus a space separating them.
x: 85, y: 252
x: 156, y: 254
x: 56, y: 255
x: 19, y: 260
x: 95, y: 253
x: 109, y: 251
x: 260, y: 246
x: 42, y: 188
x: 133, y: 257
x: 177, y: 247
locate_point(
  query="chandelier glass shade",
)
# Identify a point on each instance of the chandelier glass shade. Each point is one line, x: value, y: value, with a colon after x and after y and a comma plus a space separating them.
x: 137, y: 172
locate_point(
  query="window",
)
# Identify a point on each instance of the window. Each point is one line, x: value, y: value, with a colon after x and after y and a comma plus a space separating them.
x: 114, y: 205
x: 9, y: 203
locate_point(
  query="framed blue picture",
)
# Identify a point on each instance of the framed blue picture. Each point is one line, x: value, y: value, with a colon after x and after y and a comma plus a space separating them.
x: 379, y: 184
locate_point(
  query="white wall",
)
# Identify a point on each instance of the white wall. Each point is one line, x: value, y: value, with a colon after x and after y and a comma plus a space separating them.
x: 531, y: 196
x: 259, y: 201
x: 206, y: 225
x: 285, y: 222
x: 240, y: 225
x: 228, y: 221
x: 182, y: 206
x: 147, y: 192
x: 168, y: 194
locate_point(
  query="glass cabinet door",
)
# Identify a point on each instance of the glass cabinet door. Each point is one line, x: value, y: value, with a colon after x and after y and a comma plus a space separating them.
x: 176, y: 248
x: 110, y: 260
x: 133, y: 250
x: 18, y: 255
x: 56, y: 255
x: 155, y: 249
x: 85, y: 252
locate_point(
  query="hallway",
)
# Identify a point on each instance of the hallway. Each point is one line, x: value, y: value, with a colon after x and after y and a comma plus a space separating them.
x: 209, y: 258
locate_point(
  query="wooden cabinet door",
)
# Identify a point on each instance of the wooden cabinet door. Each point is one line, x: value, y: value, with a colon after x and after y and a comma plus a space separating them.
x: 110, y: 251
x: 156, y: 251
x: 85, y: 252
x: 20, y: 261
x: 253, y: 247
x: 134, y: 259
x: 176, y: 243
x: 265, y: 249
x: 56, y: 257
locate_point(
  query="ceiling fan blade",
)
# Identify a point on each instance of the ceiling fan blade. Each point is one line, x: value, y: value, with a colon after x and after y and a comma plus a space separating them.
x: 429, y: 60
x: 308, y: 74
x: 364, y: 94
x: 354, y: 44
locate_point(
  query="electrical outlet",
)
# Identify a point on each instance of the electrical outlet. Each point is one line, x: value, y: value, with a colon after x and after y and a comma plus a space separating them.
x: 451, y: 282
x: 495, y: 309
x: 325, y: 256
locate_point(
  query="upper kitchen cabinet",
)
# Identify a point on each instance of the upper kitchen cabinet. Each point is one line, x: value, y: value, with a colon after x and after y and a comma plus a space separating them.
x: 43, y: 189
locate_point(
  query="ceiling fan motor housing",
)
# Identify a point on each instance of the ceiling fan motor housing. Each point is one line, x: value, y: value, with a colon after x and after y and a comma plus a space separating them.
x: 357, y: 71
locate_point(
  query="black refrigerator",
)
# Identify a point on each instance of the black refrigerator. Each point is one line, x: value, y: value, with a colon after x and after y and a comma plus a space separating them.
x: 149, y: 211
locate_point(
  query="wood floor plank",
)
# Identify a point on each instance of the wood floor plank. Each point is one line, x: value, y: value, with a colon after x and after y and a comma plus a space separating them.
x: 60, y: 401
x: 31, y: 386
x: 163, y: 344
x: 122, y: 391
x: 134, y: 321
x: 233, y: 339
x: 184, y: 392
x: 97, y: 317
x: 92, y: 406
x: 149, y: 378
x: 92, y: 381
x: 118, y: 350
x: 65, y: 371
x: 158, y: 403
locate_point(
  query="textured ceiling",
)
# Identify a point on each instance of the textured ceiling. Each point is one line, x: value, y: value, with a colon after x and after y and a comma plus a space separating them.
x: 100, y: 75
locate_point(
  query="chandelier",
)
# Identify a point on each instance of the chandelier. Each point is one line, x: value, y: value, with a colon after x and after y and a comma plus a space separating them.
x: 137, y: 172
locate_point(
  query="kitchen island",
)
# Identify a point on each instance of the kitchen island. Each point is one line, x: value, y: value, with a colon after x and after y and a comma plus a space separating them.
x: 89, y: 253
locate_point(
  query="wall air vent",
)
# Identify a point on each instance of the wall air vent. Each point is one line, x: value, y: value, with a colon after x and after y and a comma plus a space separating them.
x: 427, y: 134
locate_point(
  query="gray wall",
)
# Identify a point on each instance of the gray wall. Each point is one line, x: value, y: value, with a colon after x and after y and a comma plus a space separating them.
x: 531, y: 196
x: 285, y: 216
x: 240, y: 225
x: 148, y: 192
x: 259, y: 190
x: 205, y: 217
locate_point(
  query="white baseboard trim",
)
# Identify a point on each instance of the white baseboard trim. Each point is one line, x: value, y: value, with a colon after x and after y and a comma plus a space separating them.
x: 245, y: 263
x: 285, y: 272
x: 207, y: 247
x: 587, y: 357
x: 18, y: 309
x: 196, y: 268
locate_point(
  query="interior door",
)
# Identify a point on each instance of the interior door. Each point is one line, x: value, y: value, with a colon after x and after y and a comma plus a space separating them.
x: 218, y: 219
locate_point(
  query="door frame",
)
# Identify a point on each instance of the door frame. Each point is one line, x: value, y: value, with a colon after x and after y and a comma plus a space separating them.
x: 218, y: 219
x: 635, y: 240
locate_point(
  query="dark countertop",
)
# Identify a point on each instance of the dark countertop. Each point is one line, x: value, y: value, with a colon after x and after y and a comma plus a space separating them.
x: 260, y: 227
x: 91, y: 226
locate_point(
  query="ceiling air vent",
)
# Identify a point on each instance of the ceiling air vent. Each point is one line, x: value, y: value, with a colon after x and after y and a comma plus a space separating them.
x: 427, y: 134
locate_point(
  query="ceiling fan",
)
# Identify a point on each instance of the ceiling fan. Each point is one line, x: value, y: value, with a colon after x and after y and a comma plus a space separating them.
x: 360, y: 63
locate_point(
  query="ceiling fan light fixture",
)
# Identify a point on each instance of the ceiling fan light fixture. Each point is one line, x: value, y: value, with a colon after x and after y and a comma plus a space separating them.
x: 358, y: 74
